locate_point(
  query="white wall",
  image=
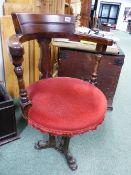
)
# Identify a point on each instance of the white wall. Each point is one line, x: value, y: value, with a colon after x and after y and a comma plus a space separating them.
x: 1, y: 59
x: 121, y: 25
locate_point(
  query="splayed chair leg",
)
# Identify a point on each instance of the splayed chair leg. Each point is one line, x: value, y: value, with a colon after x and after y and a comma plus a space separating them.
x: 60, y: 144
x: 41, y: 144
x: 70, y: 159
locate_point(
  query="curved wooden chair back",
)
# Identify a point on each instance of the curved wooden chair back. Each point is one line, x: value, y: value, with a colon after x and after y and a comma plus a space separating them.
x: 43, y: 28
x: 36, y: 24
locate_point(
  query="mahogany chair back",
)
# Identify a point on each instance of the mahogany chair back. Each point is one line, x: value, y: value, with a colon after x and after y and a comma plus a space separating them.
x: 35, y: 24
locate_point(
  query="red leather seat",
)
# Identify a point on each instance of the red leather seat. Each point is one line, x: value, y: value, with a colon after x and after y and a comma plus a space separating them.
x: 65, y: 106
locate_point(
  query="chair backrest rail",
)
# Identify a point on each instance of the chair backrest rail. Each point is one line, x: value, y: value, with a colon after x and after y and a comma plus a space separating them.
x: 44, y: 28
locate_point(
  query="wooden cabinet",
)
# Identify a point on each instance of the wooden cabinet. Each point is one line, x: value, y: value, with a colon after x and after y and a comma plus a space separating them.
x: 8, y: 130
x: 77, y: 63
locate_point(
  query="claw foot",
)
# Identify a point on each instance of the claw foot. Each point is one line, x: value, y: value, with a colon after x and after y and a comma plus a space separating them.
x: 71, y: 162
x: 41, y: 145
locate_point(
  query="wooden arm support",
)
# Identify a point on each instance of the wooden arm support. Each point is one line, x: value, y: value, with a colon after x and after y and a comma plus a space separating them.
x: 16, y: 51
x: 101, y: 45
x: 101, y: 42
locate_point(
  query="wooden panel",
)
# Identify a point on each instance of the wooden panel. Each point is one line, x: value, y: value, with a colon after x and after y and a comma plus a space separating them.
x: 17, y: 7
x: 36, y: 61
x: 54, y: 60
x: 43, y: 6
x: 76, y: 63
x: 68, y: 9
x: 10, y: 78
x: 85, y: 12
x: 31, y: 60
x: 49, y: 6
x: 19, y: 1
x: 60, y: 6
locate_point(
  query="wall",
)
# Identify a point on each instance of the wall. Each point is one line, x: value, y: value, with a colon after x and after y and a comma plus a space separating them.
x: 121, y: 25
x: 1, y: 59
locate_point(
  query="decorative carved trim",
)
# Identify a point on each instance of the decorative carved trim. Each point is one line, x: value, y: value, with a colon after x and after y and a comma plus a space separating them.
x: 16, y: 51
x: 45, y: 58
x: 93, y: 79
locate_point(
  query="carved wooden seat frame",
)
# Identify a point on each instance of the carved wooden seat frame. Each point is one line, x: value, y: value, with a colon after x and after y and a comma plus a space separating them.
x: 39, y: 27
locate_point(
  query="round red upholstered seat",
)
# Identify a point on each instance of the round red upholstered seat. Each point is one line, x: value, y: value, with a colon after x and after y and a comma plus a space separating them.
x: 65, y: 106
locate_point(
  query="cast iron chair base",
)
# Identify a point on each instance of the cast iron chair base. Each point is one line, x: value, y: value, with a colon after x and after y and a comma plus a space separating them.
x: 60, y: 144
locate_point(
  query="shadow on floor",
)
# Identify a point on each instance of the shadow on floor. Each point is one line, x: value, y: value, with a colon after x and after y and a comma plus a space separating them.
x: 20, y: 122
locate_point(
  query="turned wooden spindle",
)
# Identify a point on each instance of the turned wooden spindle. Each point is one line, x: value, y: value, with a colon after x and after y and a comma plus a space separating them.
x: 45, y: 58
x: 100, y: 49
x: 93, y: 79
x: 17, y: 52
